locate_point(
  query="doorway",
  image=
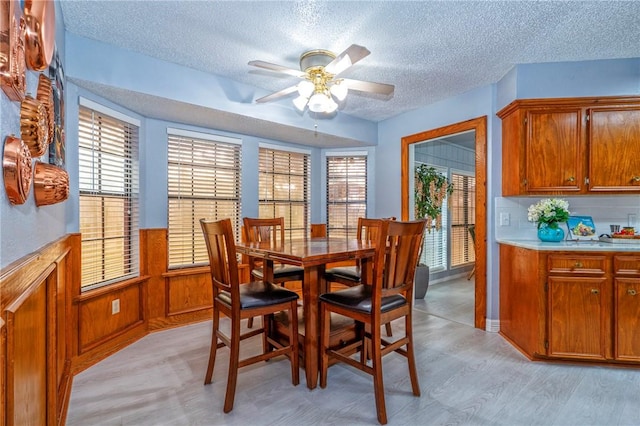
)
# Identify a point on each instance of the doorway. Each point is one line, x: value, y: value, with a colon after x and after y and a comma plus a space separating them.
x: 478, y: 128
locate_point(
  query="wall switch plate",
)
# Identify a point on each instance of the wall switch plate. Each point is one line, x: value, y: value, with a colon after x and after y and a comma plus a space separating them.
x: 633, y: 220
x: 115, y: 306
x: 505, y: 219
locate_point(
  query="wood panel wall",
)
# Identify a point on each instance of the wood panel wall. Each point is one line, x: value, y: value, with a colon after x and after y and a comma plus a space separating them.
x: 50, y: 329
x: 35, y: 340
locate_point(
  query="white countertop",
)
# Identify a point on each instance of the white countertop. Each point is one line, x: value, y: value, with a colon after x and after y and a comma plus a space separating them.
x: 572, y: 245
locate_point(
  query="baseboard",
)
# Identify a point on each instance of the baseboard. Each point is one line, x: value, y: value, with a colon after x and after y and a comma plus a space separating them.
x: 492, y: 326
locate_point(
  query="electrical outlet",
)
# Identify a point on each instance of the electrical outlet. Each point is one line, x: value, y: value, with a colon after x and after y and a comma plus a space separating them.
x: 115, y: 306
x: 505, y: 219
x: 633, y: 220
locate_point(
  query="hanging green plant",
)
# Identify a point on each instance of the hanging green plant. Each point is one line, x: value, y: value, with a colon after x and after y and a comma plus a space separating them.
x: 431, y: 189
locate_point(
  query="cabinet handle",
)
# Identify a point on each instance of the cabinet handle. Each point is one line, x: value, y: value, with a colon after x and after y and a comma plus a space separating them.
x: 595, y: 291
x: 578, y: 265
x: 636, y: 178
x: 571, y: 179
x: 631, y: 292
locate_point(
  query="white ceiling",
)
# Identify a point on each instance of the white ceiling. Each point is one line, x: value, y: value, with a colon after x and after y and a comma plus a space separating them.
x: 430, y: 50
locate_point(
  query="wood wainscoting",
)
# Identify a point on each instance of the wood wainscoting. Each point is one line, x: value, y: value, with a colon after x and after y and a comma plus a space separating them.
x: 36, y: 336
x: 51, y: 330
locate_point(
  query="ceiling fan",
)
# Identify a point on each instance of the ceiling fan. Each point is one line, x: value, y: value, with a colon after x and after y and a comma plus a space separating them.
x: 321, y: 83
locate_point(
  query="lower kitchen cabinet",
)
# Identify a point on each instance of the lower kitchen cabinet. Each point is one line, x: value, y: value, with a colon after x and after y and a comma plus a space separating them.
x: 578, y: 305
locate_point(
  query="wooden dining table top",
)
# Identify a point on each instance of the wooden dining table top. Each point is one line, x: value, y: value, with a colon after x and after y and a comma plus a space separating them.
x: 311, y: 251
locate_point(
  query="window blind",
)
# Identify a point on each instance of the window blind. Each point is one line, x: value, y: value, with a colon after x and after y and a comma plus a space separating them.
x: 284, y: 180
x: 203, y: 182
x: 463, y: 213
x: 346, y: 194
x: 109, y: 191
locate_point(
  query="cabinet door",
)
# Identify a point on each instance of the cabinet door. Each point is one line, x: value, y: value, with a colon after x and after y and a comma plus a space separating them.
x: 579, y: 322
x: 614, y: 147
x: 554, y: 150
x: 627, y: 319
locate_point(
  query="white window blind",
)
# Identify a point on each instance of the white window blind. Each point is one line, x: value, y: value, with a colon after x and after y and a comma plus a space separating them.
x: 109, y: 190
x: 346, y: 194
x: 463, y: 213
x: 434, y: 247
x: 284, y: 179
x: 203, y: 182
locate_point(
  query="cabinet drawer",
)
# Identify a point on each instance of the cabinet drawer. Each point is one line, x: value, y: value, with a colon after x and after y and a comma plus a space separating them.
x: 582, y: 265
x: 626, y: 265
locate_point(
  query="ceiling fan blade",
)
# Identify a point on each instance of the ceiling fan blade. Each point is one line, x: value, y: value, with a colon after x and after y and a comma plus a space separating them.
x: 277, y: 68
x: 276, y: 95
x: 369, y: 86
x: 347, y: 58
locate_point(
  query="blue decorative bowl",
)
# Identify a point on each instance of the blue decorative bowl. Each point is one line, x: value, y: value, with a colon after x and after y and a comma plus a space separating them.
x: 550, y: 235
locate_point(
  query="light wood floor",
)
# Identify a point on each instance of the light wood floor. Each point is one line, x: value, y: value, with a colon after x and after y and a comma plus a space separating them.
x: 467, y: 377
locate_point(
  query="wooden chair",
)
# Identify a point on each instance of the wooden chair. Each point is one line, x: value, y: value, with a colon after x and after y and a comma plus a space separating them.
x: 318, y: 230
x: 472, y: 232
x: 239, y: 301
x: 350, y: 275
x: 389, y: 297
x: 272, y: 230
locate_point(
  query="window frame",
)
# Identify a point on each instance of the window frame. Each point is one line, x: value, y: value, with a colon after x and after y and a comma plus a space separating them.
x: 186, y: 155
x: 108, y: 171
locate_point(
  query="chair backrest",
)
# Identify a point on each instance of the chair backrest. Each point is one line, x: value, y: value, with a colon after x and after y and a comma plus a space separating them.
x: 259, y: 230
x: 318, y: 230
x: 396, y: 256
x: 223, y: 262
x: 368, y: 228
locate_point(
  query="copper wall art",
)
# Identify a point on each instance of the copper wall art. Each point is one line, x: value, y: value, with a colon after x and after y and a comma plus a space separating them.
x: 33, y: 126
x: 12, y: 50
x: 50, y: 184
x: 16, y: 170
x: 40, y: 33
x: 45, y: 96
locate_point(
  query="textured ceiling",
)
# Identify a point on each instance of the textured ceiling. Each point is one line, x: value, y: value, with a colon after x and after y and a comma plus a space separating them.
x: 430, y: 50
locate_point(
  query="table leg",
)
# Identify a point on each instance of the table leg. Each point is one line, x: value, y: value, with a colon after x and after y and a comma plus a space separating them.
x: 310, y: 292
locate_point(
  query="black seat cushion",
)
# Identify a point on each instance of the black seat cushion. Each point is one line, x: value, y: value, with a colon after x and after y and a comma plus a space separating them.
x: 258, y: 294
x: 358, y: 298
x: 281, y: 272
x: 351, y: 273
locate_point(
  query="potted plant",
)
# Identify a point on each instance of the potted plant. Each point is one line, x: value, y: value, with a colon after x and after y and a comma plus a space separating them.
x: 431, y: 189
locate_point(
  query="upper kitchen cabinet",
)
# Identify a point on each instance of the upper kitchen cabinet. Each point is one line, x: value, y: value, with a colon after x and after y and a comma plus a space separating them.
x: 571, y: 146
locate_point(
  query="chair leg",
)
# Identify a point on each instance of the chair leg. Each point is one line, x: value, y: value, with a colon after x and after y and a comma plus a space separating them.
x: 214, y: 346
x: 293, y: 341
x: 411, y: 359
x: 473, y: 271
x: 378, y: 385
x: 250, y: 322
x: 325, y: 328
x: 267, y: 323
x: 387, y: 327
x: 234, y: 358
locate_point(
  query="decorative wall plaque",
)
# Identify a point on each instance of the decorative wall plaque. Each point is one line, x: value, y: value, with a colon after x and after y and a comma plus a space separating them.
x: 17, y: 170
x: 33, y: 126
x: 40, y: 33
x: 50, y: 184
x: 12, y: 50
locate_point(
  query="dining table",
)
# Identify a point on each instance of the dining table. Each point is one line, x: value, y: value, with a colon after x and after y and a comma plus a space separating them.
x: 312, y: 254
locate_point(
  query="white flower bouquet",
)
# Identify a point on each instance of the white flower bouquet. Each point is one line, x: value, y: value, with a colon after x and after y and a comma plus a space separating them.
x: 549, y: 212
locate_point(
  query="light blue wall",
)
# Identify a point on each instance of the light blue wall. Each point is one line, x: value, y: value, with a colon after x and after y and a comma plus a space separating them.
x: 25, y: 228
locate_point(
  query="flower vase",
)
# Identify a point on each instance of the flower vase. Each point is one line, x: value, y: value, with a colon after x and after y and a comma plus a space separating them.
x: 549, y: 234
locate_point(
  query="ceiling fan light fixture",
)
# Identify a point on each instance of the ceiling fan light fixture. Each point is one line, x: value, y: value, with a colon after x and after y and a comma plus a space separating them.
x: 339, y: 91
x: 318, y: 102
x: 300, y: 102
x: 305, y: 88
x: 330, y: 106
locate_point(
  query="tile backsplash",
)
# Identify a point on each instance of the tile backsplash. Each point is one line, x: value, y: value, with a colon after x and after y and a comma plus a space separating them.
x: 511, y: 213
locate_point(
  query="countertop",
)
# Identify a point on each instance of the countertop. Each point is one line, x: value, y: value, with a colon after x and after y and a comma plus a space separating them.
x: 573, y: 245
